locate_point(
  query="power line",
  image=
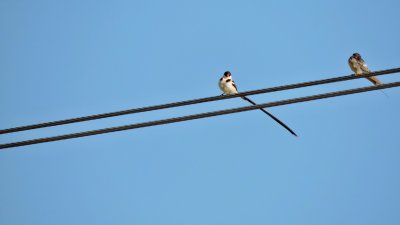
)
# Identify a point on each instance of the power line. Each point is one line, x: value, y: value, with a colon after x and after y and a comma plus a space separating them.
x: 198, y: 116
x: 194, y: 101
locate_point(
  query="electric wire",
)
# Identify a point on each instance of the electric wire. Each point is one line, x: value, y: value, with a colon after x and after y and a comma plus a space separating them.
x: 195, y: 101
x: 199, y: 116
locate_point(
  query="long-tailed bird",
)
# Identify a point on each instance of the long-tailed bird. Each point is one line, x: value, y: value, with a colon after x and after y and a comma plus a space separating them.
x: 359, y: 67
x: 228, y: 86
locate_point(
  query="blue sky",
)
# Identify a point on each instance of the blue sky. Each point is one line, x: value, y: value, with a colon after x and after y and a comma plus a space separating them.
x: 64, y: 59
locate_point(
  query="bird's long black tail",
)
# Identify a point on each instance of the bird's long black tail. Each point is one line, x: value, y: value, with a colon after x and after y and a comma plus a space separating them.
x: 272, y: 116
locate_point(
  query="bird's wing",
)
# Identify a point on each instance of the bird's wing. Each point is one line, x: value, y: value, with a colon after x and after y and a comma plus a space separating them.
x: 234, y: 85
x: 363, y: 66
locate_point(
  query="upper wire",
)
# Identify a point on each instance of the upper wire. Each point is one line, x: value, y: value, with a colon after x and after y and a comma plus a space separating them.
x: 195, y: 101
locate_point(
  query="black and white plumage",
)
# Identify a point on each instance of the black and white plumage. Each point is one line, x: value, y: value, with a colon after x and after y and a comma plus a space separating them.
x: 228, y: 86
x: 359, y: 67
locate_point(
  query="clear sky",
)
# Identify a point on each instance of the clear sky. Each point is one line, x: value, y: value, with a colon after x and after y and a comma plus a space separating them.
x: 64, y: 59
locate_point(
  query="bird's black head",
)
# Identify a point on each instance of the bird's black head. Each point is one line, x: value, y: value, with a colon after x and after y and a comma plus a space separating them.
x: 356, y: 56
x: 227, y: 74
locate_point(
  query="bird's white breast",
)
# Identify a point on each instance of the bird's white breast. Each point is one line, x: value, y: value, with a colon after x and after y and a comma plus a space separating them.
x: 227, y: 87
x: 355, y: 66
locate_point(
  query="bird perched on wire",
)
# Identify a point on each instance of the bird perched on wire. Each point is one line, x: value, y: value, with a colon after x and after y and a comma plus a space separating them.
x: 359, y: 67
x: 228, y: 86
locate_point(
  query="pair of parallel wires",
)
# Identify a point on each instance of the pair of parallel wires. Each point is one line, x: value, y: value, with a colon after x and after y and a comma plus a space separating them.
x: 196, y: 116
